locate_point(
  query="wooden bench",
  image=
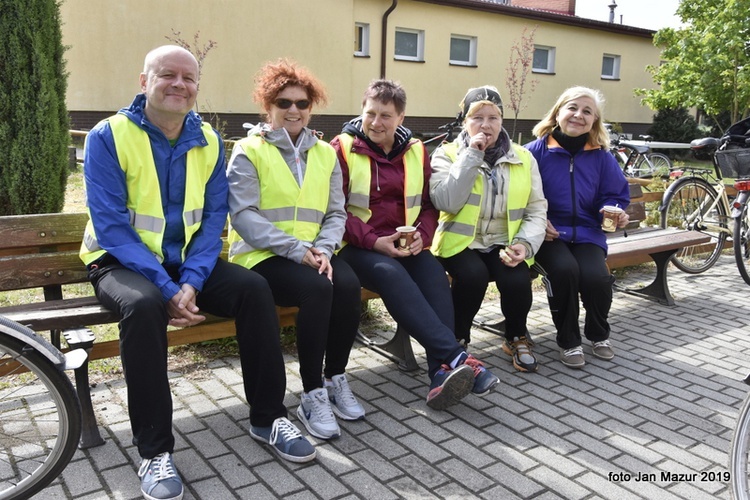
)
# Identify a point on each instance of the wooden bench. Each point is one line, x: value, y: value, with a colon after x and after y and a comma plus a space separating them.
x: 635, y: 246
x: 41, y: 251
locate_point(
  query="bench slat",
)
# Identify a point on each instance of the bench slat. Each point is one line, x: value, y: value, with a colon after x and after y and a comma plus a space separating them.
x: 40, y: 230
x: 41, y: 269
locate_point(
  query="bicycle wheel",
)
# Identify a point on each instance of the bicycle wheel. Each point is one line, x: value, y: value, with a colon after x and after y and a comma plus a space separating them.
x: 741, y: 243
x: 738, y: 455
x: 694, y: 205
x: 40, y: 419
x: 660, y: 163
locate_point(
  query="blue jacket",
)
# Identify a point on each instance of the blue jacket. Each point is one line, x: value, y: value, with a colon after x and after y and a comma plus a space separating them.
x: 106, y: 194
x: 577, y: 187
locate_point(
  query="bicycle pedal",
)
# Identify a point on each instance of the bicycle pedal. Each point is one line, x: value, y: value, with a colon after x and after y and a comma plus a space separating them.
x: 79, y: 338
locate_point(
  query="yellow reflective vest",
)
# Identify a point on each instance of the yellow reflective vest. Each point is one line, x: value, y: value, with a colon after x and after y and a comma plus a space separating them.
x: 144, y: 201
x: 296, y: 210
x: 456, y: 231
x: 360, y: 173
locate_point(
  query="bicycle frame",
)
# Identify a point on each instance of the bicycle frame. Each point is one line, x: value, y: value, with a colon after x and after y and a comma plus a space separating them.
x: 721, y: 198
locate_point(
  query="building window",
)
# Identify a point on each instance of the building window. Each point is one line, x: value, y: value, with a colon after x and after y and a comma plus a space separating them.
x: 409, y: 44
x: 610, y: 67
x: 463, y: 50
x: 544, y: 59
x: 361, y: 39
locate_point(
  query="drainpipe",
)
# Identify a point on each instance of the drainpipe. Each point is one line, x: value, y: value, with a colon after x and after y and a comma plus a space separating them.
x: 384, y: 37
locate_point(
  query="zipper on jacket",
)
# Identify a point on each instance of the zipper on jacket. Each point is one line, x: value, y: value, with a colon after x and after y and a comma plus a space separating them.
x: 573, y: 196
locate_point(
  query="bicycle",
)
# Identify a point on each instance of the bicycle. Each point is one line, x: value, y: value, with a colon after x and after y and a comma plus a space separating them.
x: 434, y: 142
x: 40, y: 417
x: 700, y: 202
x: 638, y: 160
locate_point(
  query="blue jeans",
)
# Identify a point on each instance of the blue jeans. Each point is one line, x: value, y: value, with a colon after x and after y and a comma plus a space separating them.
x: 417, y: 295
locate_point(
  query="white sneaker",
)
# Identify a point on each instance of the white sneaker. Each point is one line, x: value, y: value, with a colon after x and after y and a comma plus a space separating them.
x: 343, y: 402
x: 315, y: 412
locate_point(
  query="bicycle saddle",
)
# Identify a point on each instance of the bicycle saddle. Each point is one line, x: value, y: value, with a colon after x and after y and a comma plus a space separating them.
x: 705, y: 143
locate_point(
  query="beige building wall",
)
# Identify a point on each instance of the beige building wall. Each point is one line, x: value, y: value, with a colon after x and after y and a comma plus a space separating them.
x: 109, y: 38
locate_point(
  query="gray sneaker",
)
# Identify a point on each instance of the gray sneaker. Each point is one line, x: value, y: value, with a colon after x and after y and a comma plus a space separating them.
x: 286, y: 440
x: 573, y: 357
x: 603, y: 350
x: 343, y: 402
x: 159, y: 479
x: 315, y: 412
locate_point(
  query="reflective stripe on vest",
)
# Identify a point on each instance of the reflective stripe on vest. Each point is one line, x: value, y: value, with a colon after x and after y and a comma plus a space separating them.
x: 360, y: 176
x: 456, y: 231
x: 144, y: 203
x: 298, y: 211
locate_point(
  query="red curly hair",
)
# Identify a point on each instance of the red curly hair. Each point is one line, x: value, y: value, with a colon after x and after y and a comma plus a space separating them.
x: 274, y: 77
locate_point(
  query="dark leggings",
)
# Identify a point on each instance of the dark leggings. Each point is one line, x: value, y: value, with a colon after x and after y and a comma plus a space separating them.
x: 471, y: 271
x: 328, y: 315
x: 230, y: 291
x: 574, y: 268
x: 416, y: 292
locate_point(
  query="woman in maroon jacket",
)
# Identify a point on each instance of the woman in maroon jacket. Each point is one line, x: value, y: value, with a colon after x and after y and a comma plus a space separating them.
x: 386, y: 183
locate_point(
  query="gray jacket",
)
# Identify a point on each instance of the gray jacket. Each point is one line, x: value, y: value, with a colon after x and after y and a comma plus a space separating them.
x: 244, y: 199
x: 451, y: 184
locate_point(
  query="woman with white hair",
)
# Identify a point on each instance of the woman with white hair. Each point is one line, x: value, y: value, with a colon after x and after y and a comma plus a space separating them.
x: 580, y: 177
x: 492, y: 220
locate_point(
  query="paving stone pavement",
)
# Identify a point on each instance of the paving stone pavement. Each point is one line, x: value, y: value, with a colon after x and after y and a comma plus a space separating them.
x: 616, y: 429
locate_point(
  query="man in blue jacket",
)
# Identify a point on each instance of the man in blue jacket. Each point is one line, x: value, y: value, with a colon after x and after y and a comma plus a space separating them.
x: 157, y: 198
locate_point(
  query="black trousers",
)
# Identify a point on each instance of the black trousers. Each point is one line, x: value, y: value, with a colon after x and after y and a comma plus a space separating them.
x: 230, y: 291
x: 471, y: 271
x: 574, y: 269
x: 328, y: 315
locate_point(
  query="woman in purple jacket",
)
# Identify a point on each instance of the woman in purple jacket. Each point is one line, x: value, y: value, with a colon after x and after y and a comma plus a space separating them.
x: 579, y: 177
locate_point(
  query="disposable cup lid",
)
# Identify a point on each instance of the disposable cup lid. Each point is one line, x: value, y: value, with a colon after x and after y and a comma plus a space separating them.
x: 406, y: 229
x: 611, y: 208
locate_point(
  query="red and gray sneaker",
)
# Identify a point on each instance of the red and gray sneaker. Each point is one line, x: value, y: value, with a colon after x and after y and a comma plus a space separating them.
x: 484, y: 380
x: 449, y: 386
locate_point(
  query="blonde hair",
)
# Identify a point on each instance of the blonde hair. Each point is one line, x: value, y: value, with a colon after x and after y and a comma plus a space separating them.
x: 598, y: 136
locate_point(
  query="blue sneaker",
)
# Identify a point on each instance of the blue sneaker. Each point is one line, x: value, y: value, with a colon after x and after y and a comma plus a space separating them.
x: 484, y: 380
x: 449, y: 386
x: 159, y: 479
x: 286, y: 440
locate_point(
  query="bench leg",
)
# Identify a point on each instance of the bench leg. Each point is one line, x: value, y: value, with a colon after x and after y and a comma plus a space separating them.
x: 90, y: 436
x: 658, y: 290
x: 398, y: 349
x: 83, y: 338
x: 496, y: 327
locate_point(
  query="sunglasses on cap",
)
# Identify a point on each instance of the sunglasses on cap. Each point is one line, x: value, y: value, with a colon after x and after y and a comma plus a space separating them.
x: 287, y: 103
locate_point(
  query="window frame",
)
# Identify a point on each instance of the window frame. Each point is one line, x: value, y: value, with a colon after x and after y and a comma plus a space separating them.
x: 616, y: 64
x: 472, y: 62
x: 420, y: 45
x: 362, y: 39
x: 550, y: 69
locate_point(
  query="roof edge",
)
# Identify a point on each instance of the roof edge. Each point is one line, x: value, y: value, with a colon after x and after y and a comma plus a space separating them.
x: 541, y: 15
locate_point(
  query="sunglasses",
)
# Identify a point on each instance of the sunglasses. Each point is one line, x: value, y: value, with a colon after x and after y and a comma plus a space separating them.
x: 286, y: 103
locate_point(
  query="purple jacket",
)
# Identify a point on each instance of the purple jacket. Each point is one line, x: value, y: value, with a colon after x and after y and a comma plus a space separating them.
x: 577, y: 187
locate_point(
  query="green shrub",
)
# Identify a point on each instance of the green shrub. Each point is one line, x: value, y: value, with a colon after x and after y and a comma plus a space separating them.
x: 34, y: 127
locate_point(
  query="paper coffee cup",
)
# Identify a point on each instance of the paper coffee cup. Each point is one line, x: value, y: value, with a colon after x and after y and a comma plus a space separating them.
x: 610, y: 215
x: 406, y: 237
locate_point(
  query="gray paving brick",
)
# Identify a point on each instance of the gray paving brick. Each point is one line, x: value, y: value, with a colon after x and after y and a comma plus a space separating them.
x: 368, y: 486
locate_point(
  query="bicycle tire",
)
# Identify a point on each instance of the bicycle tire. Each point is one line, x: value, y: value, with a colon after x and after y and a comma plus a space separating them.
x: 40, y: 419
x: 738, y: 454
x: 741, y: 243
x: 661, y: 163
x: 692, y: 205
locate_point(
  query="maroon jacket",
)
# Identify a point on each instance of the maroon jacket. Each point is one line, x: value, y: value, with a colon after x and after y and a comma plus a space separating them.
x: 386, y: 189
